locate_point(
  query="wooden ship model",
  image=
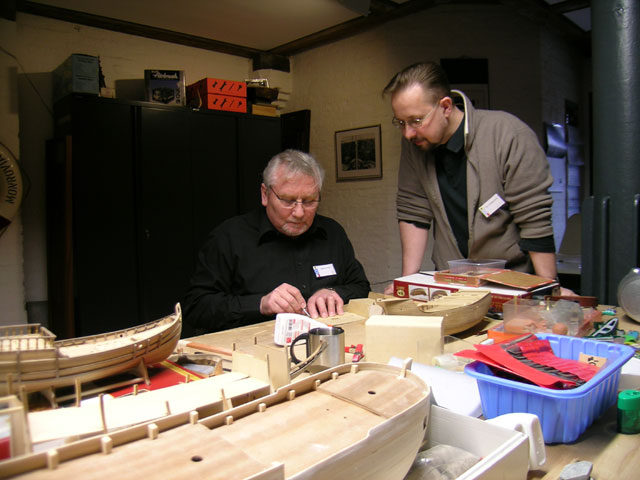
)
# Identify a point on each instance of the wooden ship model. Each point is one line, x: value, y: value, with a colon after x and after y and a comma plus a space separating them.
x: 353, y: 421
x: 460, y: 310
x: 32, y: 360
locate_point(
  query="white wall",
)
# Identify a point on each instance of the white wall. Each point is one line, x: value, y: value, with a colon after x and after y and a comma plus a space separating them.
x: 42, y: 45
x: 340, y: 83
x: 12, y: 296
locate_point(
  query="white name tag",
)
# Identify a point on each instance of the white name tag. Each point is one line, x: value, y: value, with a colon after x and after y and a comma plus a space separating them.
x: 492, y: 205
x: 324, y: 270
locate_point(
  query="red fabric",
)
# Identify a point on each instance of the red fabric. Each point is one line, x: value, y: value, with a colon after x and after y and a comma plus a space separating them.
x: 539, y: 352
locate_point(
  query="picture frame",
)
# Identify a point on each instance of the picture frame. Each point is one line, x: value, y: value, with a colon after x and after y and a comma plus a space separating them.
x: 358, y: 154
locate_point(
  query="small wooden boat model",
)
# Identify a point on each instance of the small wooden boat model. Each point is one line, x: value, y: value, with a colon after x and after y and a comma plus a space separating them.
x: 353, y: 421
x: 31, y: 360
x: 460, y: 310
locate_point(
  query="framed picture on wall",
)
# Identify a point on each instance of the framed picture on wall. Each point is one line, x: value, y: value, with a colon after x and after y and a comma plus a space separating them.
x: 358, y: 154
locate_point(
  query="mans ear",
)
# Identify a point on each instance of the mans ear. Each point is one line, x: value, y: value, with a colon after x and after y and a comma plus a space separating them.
x: 263, y: 194
x: 447, y: 105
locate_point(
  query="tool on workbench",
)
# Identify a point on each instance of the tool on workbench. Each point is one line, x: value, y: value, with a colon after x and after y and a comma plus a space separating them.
x: 356, y: 351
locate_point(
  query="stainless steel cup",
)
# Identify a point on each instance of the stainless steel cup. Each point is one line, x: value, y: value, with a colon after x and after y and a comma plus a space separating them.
x: 331, y: 356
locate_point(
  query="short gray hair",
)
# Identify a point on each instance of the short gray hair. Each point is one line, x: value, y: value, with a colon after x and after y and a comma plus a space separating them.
x: 294, y: 162
x: 429, y: 75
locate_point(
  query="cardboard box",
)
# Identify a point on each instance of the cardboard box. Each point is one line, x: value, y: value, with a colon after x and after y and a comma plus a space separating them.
x: 504, y: 452
x: 504, y: 277
x: 77, y: 74
x: 418, y: 337
x: 165, y: 86
x: 423, y: 286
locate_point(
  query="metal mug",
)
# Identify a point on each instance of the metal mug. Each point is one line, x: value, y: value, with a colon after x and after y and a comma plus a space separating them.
x: 331, y: 356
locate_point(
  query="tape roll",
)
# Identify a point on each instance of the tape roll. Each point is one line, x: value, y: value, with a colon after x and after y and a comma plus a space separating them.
x: 11, y: 189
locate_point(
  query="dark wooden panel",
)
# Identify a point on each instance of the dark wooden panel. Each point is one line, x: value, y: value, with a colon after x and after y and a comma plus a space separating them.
x: 213, y: 172
x: 258, y: 140
x: 105, y: 278
x: 164, y: 198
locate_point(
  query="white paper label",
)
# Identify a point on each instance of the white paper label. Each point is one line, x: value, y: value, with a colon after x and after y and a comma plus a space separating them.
x: 492, y: 205
x: 324, y: 270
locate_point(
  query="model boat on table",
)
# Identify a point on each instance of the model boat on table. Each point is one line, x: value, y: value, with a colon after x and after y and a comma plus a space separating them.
x: 359, y: 421
x: 460, y: 310
x: 32, y: 360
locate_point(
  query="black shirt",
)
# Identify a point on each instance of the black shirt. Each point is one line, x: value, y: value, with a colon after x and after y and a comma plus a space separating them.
x: 451, y: 170
x: 245, y: 258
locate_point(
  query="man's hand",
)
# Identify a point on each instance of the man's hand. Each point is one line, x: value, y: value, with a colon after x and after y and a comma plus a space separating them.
x: 284, y: 299
x: 325, y: 303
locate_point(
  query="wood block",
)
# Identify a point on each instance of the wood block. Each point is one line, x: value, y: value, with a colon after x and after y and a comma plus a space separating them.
x: 420, y: 338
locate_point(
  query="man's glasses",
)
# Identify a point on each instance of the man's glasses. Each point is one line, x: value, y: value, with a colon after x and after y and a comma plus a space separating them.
x: 414, y: 122
x: 288, y: 203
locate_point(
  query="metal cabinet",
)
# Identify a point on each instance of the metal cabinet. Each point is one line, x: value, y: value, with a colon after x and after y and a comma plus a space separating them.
x: 133, y: 189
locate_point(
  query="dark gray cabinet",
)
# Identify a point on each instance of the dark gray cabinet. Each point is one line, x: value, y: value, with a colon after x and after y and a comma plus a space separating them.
x: 133, y: 189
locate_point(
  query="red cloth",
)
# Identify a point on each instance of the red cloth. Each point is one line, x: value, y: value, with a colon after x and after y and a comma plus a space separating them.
x: 533, y: 361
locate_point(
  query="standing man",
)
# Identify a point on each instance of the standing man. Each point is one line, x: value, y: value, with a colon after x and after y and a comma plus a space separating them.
x: 280, y: 258
x: 476, y: 179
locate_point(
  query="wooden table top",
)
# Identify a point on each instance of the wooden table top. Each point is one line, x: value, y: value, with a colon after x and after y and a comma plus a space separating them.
x: 614, y: 455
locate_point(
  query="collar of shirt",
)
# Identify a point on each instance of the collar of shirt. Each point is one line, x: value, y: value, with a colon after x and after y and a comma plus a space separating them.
x: 268, y: 232
x: 456, y: 142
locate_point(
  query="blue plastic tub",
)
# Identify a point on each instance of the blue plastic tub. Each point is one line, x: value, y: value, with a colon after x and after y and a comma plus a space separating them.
x: 564, y: 414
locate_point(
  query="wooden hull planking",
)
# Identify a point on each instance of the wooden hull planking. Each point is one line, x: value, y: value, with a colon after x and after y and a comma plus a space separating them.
x: 460, y: 310
x: 361, y: 421
x: 64, y: 362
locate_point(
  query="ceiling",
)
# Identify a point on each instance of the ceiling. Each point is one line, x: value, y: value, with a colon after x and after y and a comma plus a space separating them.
x: 279, y: 27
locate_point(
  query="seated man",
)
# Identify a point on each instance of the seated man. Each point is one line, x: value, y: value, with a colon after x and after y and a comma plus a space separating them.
x: 279, y: 258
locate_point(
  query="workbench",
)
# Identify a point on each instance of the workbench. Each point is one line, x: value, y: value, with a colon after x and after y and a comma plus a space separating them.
x: 614, y: 455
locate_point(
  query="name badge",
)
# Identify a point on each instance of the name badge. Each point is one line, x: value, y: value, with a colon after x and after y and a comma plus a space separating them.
x: 492, y: 205
x: 324, y: 270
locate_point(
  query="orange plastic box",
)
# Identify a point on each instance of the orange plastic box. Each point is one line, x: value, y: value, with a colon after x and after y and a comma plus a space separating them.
x: 225, y: 102
x: 220, y: 86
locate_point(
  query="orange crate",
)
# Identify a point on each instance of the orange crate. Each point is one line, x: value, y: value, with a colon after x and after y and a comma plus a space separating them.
x: 220, y: 86
x: 227, y: 103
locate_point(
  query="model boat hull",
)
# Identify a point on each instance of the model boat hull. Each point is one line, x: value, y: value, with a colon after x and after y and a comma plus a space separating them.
x: 460, y: 310
x: 31, y: 361
x: 361, y: 421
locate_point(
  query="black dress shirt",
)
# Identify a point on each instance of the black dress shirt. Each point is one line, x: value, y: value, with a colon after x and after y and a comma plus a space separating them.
x: 245, y: 258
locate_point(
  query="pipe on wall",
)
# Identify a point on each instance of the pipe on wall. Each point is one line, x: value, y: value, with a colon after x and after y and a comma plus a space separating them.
x: 616, y: 147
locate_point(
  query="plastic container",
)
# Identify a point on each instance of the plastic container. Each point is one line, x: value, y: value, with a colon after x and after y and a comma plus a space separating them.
x: 535, y: 316
x: 629, y: 411
x: 564, y: 414
x: 469, y: 265
x: 629, y: 293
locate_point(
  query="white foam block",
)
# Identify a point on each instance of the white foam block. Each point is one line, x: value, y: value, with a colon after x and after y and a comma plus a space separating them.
x: 454, y: 391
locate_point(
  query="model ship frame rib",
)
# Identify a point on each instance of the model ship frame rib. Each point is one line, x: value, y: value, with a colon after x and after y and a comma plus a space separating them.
x: 30, y: 360
x: 363, y: 421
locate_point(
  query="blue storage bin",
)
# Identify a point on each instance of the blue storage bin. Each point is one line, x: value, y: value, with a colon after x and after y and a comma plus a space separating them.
x: 564, y: 414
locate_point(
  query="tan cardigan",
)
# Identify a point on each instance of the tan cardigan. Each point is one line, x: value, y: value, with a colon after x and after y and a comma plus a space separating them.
x: 503, y: 157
